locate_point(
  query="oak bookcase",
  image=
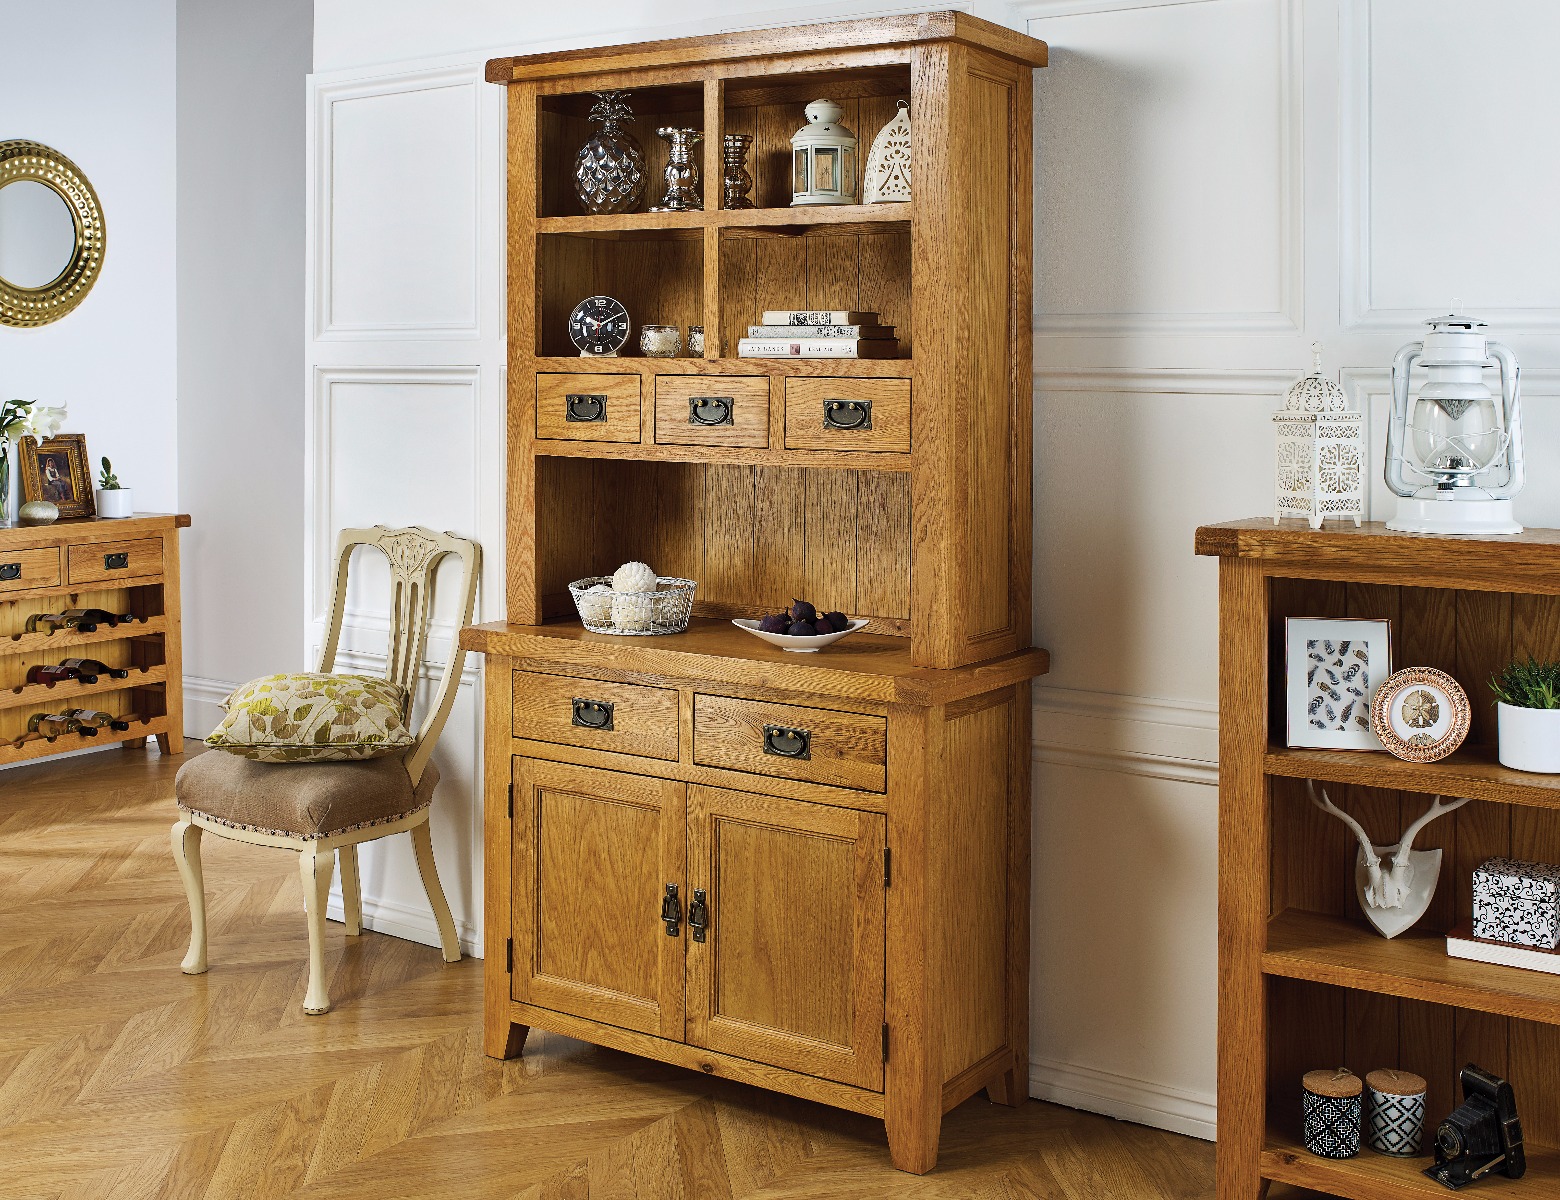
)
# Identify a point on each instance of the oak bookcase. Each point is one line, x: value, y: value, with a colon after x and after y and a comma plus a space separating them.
x: 851, y: 927
x: 1304, y: 981
x: 128, y: 566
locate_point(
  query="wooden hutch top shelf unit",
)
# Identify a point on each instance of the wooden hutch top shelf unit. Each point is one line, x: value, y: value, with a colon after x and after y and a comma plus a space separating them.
x: 1304, y: 982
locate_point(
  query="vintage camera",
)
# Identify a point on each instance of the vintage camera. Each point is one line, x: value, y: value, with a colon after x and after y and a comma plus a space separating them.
x: 1482, y: 1136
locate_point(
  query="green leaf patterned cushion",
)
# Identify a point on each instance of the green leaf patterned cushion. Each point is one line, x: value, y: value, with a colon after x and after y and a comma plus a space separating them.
x: 308, y: 717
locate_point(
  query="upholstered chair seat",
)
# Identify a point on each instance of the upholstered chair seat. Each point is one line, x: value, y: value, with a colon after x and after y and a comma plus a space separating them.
x: 302, y: 800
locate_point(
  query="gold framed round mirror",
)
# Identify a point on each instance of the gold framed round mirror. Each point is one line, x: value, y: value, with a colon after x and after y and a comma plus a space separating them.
x: 51, y: 234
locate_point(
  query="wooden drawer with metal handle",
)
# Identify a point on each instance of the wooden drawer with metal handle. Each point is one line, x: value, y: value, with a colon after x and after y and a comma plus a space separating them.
x: 24, y: 569
x: 847, y: 414
x: 622, y: 717
x: 104, y: 562
x: 588, y: 408
x: 817, y: 745
x: 712, y: 410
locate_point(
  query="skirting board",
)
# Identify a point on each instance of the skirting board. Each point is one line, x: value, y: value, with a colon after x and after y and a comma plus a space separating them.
x: 1140, y: 1101
x: 405, y: 922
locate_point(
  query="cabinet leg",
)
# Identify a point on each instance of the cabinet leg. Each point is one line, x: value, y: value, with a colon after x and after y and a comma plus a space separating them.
x: 504, y: 1039
x: 170, y: 743
x: 912, y: 1139
x: 133, y: 744
x: 1010, y: 1088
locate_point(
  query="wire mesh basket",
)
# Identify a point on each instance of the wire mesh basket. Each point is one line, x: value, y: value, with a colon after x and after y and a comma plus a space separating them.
x: 602, y: 610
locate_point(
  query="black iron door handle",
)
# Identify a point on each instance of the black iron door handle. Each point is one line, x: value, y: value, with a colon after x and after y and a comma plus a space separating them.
x: 585, y: 406
x: 10, y: 570
x: 698, y: 915
x: 787, y: 741
x: 711, y: 410
x: 671, y: 911
x: 116, y: 562
x: 592, y: 714
x: 847, y: 414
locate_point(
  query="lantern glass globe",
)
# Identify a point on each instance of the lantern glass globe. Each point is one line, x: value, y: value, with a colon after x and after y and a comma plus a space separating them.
x: 1455, y: 441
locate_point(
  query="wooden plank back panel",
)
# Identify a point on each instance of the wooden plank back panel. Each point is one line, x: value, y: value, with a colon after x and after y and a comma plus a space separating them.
x: 659, y: 278
x: 772, y: 125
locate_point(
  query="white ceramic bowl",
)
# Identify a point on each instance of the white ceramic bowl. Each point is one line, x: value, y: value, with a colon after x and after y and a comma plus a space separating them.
x: 802, y: 644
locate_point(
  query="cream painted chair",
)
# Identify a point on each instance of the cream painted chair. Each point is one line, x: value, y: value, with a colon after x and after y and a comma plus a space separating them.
x: 324, y: 810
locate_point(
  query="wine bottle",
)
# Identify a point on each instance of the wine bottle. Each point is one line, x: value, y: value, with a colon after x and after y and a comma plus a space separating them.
x: 99, y: 616
x: 53, y: 725
x: 50, y: 623
x: 94, y: 719
x: 94, y: 668
x: 49, y: 676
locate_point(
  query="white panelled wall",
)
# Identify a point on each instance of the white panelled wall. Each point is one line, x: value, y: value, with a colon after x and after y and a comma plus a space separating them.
x: 1219, y: 184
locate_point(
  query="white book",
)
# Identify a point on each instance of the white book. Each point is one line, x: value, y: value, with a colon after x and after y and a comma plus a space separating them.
x: 817, y: 348
x: 1460, y: 943
x: 814, y: 316
x: 789, y: 332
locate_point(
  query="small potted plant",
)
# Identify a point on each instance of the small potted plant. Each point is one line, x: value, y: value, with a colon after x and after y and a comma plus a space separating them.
x: 1528, y: 695
x: 112, y: 499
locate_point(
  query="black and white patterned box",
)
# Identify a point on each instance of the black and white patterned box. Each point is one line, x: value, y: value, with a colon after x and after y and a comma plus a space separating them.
x: 1517, y: 902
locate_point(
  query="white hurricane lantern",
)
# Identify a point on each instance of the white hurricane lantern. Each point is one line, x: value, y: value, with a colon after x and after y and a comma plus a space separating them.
x: 1454, y: 451
x: 823, y: 154
x: 1319, y: 473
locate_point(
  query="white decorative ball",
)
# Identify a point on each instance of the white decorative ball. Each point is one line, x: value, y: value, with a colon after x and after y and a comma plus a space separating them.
x: 632, y: 611
x: 595, y: 604
x: 633, y: 577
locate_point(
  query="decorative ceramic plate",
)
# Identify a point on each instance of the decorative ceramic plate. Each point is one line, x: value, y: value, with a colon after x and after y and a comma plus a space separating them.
x: 1420, y: 714
x: 801, y: 644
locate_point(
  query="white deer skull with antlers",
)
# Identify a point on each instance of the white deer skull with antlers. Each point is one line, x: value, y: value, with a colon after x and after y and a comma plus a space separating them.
x: 1394, y: 895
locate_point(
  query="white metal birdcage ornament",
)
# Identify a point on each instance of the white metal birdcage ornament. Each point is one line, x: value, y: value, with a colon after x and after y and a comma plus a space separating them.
x: 1320, y: 467
x: 886, y: 177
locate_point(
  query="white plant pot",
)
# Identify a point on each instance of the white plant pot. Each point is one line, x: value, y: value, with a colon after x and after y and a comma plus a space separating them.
x: 115, y: 502
x: 1530, y: 738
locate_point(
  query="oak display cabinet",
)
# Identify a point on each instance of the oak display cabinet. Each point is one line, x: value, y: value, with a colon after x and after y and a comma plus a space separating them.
x: 1304, y: 981
x: 666, y: 872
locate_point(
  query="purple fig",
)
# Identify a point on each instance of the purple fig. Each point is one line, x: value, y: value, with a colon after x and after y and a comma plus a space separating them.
x: 774, y: 623
x: 802, y: 611
x: 839, y: 620
x: 824, y: 625
x: 801, y: 629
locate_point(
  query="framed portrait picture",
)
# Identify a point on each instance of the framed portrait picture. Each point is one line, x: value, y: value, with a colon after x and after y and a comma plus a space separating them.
x: 56, y: 470
x: 1332, y: 667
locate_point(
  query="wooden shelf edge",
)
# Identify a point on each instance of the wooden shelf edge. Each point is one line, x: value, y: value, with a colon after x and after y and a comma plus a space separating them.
x: 61, y: 693
x: 634, y: 364
x: 1414, y: 966
x: 1372, y: 1176
x: 894, y: 213
x: 29, y: 643
x: 1471, y: 772
x: 106, y: 737
x: 726, y: 456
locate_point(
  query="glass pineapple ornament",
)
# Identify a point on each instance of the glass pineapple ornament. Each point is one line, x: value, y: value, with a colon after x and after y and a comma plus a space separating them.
x: 609, y: 172
x: 1320, y: 467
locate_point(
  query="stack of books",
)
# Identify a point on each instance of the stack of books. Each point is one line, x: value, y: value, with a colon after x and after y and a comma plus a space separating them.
x: 819, y: 334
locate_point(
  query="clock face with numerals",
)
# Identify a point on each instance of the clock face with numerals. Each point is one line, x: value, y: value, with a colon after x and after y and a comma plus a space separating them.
x: 598, y: 325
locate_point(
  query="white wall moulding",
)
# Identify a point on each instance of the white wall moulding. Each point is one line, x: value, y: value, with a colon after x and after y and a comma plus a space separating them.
x: 1444, y: 195
x: 1165, y: 382
x: 1124, y: 1097
x: 397, y: 176
x: 1138, y: 735
x: 1170, y: 181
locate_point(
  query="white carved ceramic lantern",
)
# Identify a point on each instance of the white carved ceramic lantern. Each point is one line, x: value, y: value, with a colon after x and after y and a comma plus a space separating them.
x: 823, y: 158
x: 1320, y: 453
x: 886, y: 176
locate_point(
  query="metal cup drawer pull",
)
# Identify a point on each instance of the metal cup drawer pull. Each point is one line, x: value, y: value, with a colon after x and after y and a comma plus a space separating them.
x: 116, y: 562
x: 787, y: 741
x: 711, y: 410
x: 847, y: 414
x: 593, y: 714
x: 10, y: 570
x: 585, y: 407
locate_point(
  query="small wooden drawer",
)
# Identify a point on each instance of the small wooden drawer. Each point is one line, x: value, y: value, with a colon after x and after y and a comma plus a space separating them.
x: 588, y: 408
x: 102, y: 562
x: 817, y: 745
x: 847, y: 414
x: 711, y: 410
x: 24, y: 569
x: 623, y: 717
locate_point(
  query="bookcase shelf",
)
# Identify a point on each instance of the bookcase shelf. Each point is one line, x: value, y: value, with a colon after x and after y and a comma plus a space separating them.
x: 1304, y: 982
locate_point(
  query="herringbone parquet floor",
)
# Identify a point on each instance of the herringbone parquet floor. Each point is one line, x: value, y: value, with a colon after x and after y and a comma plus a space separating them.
x: 122, y: 1077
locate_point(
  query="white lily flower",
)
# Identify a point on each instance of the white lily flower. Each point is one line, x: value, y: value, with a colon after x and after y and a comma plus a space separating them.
x: 44, y: 422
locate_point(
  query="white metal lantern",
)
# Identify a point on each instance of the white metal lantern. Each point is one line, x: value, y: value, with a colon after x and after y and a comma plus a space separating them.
x: 1320, y: 452
x: 823, y: 158
x: 1463, y: 448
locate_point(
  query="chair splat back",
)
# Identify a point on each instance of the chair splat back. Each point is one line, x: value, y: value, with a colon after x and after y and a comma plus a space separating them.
x: 414, y: 555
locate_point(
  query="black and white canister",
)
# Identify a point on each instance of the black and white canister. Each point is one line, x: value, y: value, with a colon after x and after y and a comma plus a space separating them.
x: 1332, y: 1113
x: 1397, y: 1112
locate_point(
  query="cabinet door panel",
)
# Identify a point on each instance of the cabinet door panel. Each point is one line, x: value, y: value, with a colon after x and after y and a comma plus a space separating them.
x: 593, y: 853
x: 791, y: 969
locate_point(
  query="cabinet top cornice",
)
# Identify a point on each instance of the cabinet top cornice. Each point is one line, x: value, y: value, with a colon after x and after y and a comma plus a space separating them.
x: 865, y: 33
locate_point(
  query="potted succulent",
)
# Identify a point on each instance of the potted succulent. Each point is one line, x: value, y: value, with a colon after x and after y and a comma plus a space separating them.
x: 1528, y: 695
x: 112, y: 499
